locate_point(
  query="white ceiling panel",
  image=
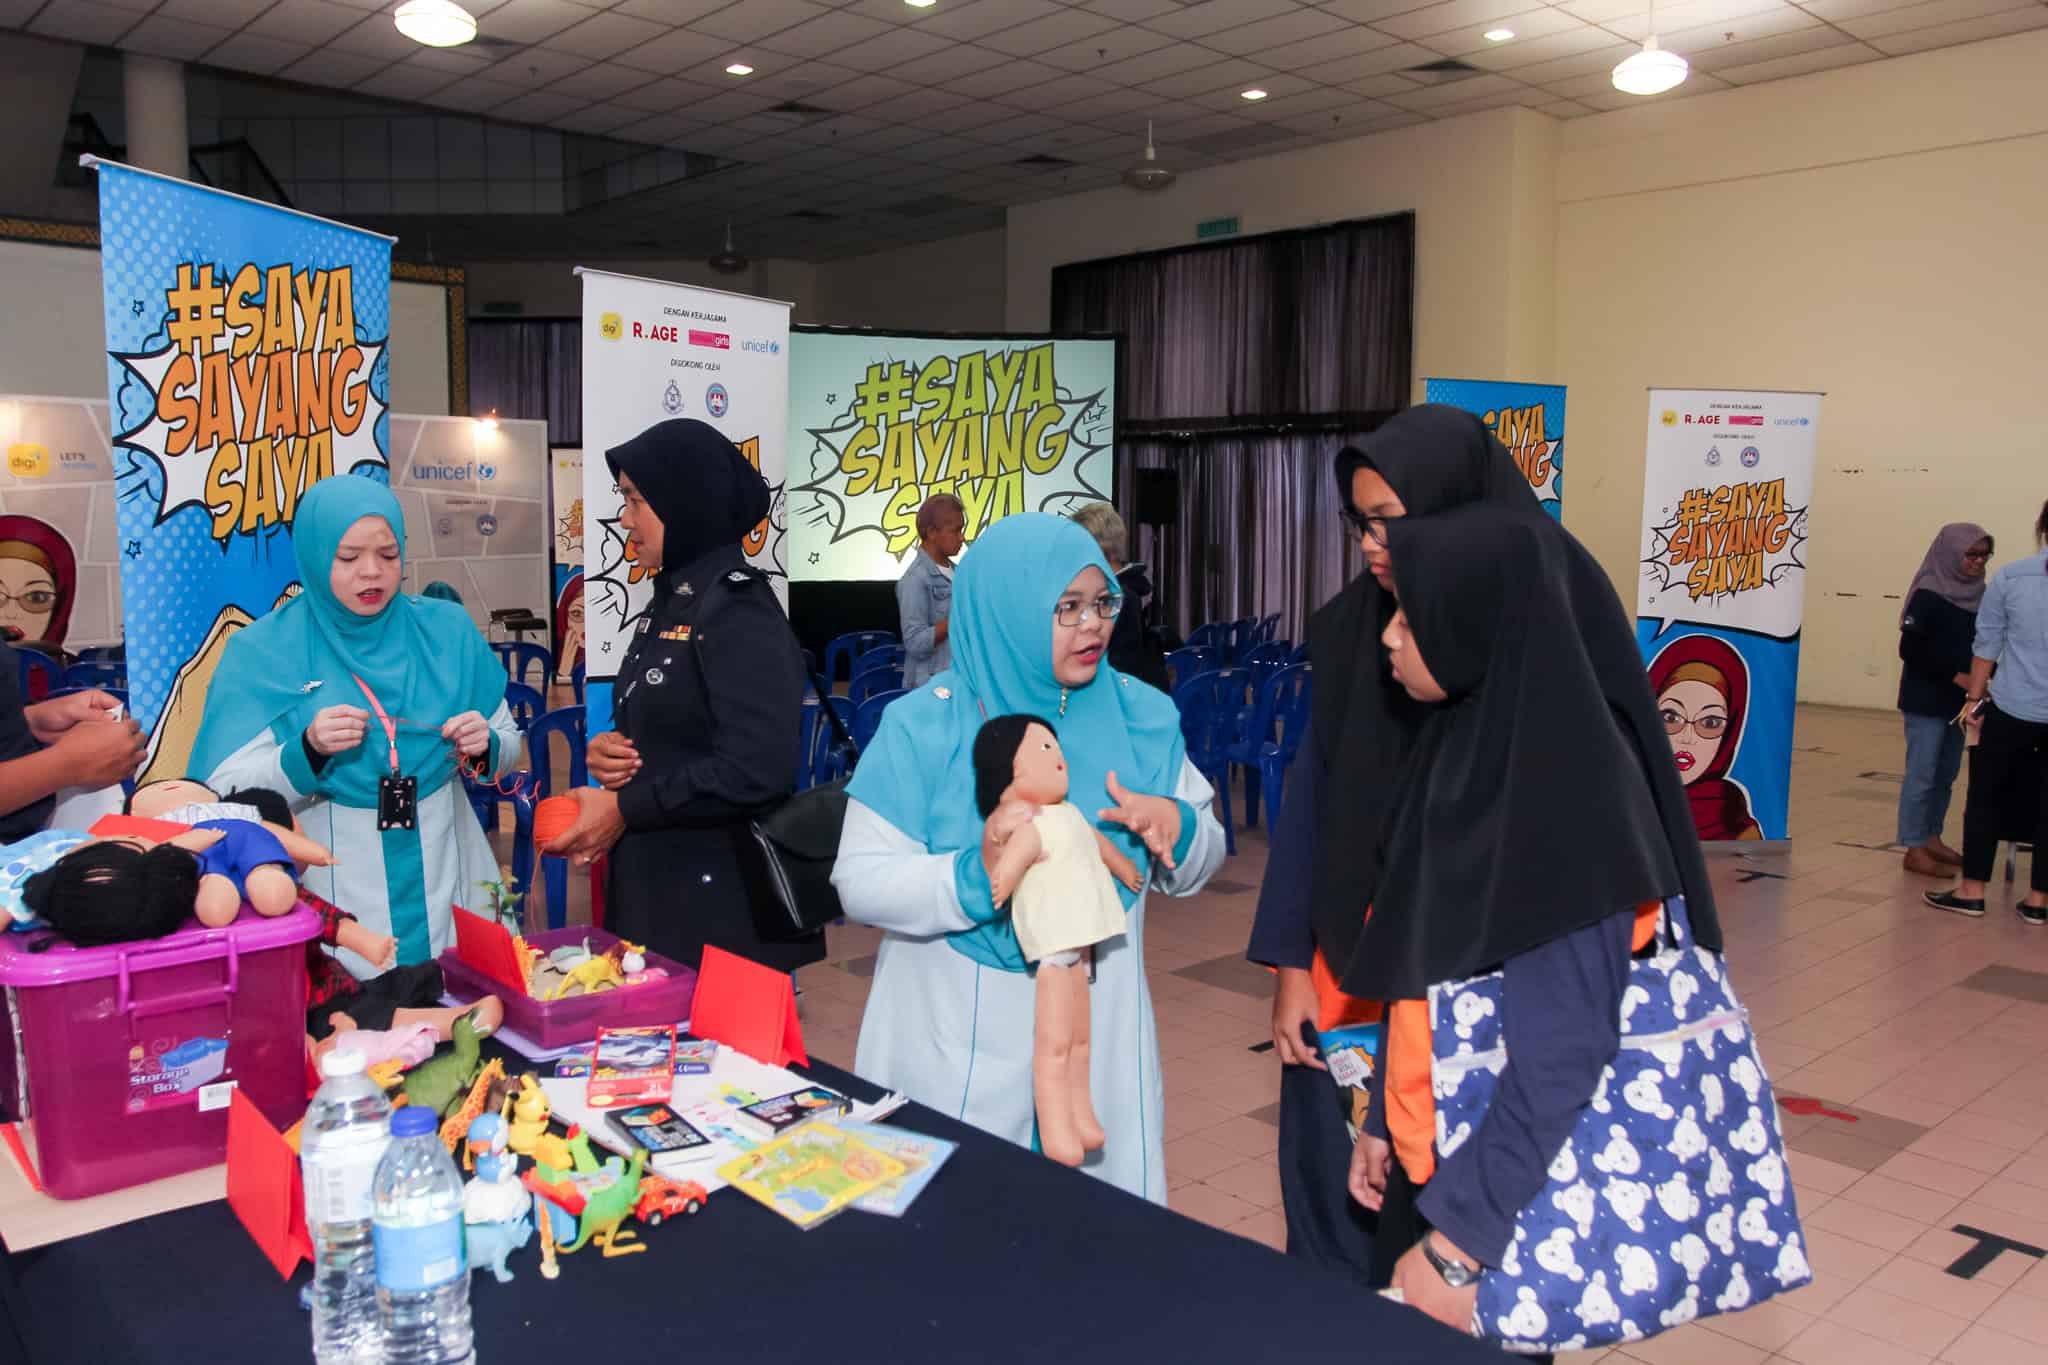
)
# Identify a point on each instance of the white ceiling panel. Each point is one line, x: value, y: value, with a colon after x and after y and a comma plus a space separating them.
x: 334, y: 69
x: 599, y: 118
x: 1276, y: 86
x: 1098, y: 108
x: 405, y: 82
x: 1766, y: 49
x: 1690, y: 15
x: 1215, y: 76
x: 1565, y: 109
x: 1447, y: 17
x: 1053, y: 30
x: 666, y: 11
x: 1457, y: 92
x: 1531, y: 26
x: 862, y: 91
x: 1807, y: 64
x: 1214, y: 16
x: 1345, y: 70
x: 948, y: 63
x: 1832, y: 10
x: 476, y: 95
x: 219, y: 13
x: 1166, y: 61
x: 83, y: 21
x: 1372, y: 11
x: 375, y: 36
x: 968, y: 22
x: 173, y: 38
x: 1379, y: 87
x: 1600, y: 60
x: 264, y: 56
x: 999, y: 81
x: 1511, y: 57
x: 1341, y: 120
x: 1727, y: 33
x: 757, y: 18
x: 1278, y: 31
x: 1131, y: 11
x: 539, y: 106
x: 304, y: 21
x: 529, y: 21
x: 1967, y: 31
x: 536, y: 66
x: 606, y: 35
x: 1093, y: 54
x: 677, y: 50
x: 1343, y: 42
x: 664, y: 96
x: 1924, y: 16
x: 824, y: 35
x: 600, y: 81
x: 887, y: 51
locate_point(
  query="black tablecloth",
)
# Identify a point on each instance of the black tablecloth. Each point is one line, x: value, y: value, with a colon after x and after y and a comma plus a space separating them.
x: 1005, y: 1256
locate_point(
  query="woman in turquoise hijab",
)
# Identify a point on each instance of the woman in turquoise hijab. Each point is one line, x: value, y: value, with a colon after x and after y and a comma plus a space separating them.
x: 300, y: 701
x: 949, y: 1019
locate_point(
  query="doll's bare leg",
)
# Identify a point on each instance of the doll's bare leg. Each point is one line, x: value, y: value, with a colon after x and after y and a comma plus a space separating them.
x: 1062, y: 1004
x: 218, y: 902
x: 485, y: 1016
x: 1083, y: 1103
x: 271, y: 889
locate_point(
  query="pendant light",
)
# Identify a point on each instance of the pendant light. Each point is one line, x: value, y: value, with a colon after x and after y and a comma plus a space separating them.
x: 1653, y: 70
x: 1149, y: 176
x: 436, y: 23
x: 728, y: 261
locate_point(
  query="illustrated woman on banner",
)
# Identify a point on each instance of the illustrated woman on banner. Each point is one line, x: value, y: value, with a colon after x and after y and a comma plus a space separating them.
x: 569, y: 627
x: 1702, y: 689
x: 38, y: 580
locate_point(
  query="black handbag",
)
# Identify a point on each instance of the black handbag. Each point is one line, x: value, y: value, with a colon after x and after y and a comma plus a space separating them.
x: 798, y: 843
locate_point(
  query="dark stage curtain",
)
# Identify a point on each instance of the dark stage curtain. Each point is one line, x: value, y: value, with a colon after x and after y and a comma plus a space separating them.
x: 1246, y: 365
x: 532, y: 368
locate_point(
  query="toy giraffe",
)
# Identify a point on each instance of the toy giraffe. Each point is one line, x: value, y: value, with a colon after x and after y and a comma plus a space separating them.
x: 456, y: 1126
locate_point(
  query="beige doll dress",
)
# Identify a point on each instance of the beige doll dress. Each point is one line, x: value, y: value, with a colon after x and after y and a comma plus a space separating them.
x: 1070, y: 900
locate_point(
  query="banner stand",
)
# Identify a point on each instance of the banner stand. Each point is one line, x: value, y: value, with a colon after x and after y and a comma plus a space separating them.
x: 1528, y: 419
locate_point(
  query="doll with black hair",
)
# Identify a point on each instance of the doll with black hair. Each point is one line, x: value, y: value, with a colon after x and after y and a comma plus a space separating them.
x: 255, y: 860
x: 115, y: 891
x: 1059, y: 875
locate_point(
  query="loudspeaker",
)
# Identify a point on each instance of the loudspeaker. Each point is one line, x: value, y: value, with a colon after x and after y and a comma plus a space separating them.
x: 1158, y: 500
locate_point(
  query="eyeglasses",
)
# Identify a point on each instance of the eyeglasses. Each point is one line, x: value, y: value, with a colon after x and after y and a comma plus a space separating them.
x: 1977, y: 554
x: 35, y: 599
x: 1373, y: 529
x: 1706, y: 727
x: 1072, y: 612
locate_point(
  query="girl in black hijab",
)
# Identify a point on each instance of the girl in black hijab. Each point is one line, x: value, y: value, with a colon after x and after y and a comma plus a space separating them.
x: 1530, y: 833
x: 706, y: 702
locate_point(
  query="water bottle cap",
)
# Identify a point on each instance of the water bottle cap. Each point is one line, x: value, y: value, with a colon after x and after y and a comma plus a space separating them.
x: 413, y: 1120
x: 342, y: 1062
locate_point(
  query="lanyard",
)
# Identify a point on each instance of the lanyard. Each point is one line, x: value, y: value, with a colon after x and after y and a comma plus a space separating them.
x: 390, y: 725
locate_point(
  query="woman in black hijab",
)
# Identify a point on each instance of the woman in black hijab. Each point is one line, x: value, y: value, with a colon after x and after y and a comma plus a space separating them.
x: 706, y: 704
x: 1530, y: 833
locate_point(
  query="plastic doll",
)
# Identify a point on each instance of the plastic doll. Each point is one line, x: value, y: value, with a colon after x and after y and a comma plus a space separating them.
x: 99, y: 891
x: 1059, y: 874
x: 255, y: 860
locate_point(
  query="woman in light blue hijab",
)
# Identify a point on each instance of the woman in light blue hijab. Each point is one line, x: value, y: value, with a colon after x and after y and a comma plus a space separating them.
x: 949, y: 1019
x: 293, y: 707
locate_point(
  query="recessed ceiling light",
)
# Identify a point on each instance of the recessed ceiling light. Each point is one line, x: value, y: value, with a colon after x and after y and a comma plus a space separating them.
x: 436, y: 23
x: 739, y: 69
x: 1254, y: 94
x: 1498, y: 35
x: 920, y: 4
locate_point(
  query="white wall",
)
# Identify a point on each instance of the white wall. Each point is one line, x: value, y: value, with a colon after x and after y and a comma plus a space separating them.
x: 1874, y: 232
x: 1478, y: 185
x: 956, y: 284
x: 54, y: 342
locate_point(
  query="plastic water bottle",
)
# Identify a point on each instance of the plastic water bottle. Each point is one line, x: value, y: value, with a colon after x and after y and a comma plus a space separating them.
x: 346, y: 1131
x: 422, y: 1267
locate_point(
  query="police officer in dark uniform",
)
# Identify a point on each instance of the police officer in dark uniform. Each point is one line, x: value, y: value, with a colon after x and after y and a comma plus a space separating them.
x: 706, y: 702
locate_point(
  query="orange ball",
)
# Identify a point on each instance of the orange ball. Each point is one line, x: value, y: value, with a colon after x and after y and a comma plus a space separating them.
x: 553, y: 818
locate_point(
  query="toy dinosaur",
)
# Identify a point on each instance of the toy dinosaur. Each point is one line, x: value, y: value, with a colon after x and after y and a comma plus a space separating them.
x: 440, y: 1082
x: 593, y: 974
x: 608, y: 1206
x: 480, y: 1101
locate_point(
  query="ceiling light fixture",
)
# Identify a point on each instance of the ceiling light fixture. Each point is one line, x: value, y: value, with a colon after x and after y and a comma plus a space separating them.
x: 1148, y: 176
x: 1254, y: 94
x: 1498, y: 35
x: 1653, y: 70
x: 436, y: 23
x: 728, y: 261
x: 739, y: 69
x: 920, y: 4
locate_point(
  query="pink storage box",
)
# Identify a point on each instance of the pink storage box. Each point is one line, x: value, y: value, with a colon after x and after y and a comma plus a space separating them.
x: 124, y: 1057
x: 551, y: 1024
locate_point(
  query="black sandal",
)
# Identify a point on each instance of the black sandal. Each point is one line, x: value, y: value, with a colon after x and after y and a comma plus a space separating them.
x: 1954, y: 904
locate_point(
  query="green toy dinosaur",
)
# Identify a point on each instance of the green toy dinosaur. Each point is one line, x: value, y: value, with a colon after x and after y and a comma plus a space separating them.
x: 608, y: 1206
x: 440, y: 1082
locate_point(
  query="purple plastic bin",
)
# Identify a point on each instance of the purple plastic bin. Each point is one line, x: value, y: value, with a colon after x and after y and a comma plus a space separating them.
x: 129, y: 1054
x: 551, y: 1024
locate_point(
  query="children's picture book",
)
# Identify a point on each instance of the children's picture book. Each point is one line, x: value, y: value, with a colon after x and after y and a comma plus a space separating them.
x: 811, y: 1174
x: 632, y: 1065
x: 778, y: 1114
x: 921, y: 1157
x: 656, y: 1127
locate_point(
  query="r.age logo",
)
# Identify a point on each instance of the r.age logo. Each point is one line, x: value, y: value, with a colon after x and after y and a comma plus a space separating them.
x: 659, y: 331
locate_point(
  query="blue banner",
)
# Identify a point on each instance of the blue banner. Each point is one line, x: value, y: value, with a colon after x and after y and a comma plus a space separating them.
x: 246, y: 360
x: 1528, y: 418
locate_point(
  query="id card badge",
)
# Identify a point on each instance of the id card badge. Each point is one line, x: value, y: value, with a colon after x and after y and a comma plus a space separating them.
x: 398, y: 802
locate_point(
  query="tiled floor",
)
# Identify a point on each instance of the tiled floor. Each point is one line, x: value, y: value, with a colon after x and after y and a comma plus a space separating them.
x: 1920, y: 1038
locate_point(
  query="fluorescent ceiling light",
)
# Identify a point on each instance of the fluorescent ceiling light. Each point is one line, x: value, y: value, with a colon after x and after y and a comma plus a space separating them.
x: 739, y: 69
x: 1254, y: 94
x: 1498, y: 35
x: 920, y: 4
x: 436, y: 23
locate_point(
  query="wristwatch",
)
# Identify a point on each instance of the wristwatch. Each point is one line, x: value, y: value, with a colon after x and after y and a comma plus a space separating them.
x: 1456, y: 1273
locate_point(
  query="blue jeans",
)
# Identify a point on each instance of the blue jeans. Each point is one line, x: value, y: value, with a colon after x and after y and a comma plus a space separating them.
x: 1934, y: 755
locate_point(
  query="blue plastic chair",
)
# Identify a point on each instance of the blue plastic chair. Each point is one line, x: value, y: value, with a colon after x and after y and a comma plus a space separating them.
x: 537, y: 783
x: 885, y: 677
x: 518, y: 656
x: 1192, y: 661
x: 525, y: 703
x: 881, y: 656
x: 849, y: 647
x: 38, y: 674
x: 1293, y: 692
x: 1264, y: 661
x: 103, y: 654
x: 867, y: 717
x: 827, y: 759
x: 1269, y: 629
x: 1210, y: 704
x: 576, y: 681
x: 98, y: 674
x: 1300, y: 654
x: 1243, y: 635
x: 1215, y: 635
x: 1257, y: 728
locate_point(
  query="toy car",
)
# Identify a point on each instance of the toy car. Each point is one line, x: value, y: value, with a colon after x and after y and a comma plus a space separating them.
x: 660, y: 1197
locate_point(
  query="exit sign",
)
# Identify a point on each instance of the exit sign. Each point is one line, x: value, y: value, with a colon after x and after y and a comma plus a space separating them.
x: 1216, y: 227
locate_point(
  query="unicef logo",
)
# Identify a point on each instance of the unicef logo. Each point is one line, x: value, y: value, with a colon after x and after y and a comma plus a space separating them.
x: 487, y: 471
x: 1750, y: 456
x: 672, y: 399
x: 487, y: 525
x: 1713, y: 455
x: 715, y: 400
